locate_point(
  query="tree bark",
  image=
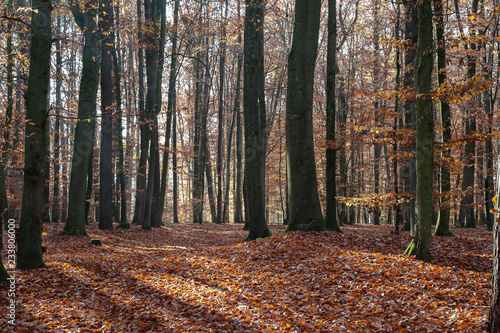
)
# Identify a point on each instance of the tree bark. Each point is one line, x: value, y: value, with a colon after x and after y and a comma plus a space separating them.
x: 106, y: 153
x: 420, y: 246
x: 85, y: 127
x: 29, y: 253
x: 331, y: 218
x: 4, y: 204
x: 443, y: 222
x: 171, y: 109
x: 305, y: 208
x: 255, y: 128
x: 494, y: 312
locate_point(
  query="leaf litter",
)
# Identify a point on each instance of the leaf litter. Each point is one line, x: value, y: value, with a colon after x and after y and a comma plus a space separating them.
x: 203, y: 278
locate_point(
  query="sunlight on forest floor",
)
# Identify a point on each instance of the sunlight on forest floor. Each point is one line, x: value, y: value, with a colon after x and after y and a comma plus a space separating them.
x: 201, y: 278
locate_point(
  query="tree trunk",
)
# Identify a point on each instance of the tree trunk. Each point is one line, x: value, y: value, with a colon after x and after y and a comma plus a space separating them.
x: 210, y: 185
x: 305, y: 208
x: 376, y: 146
x: 57, y: 168
x: 4, y: 204
x: 175, y: 196
x: 420, y: 246
x: 331, y: 220
x: 106, y: 156
x: 494, y: 313
x: 143, y: 128
x: 443, y: 222
x: 85, y: 127
x: 171, y: 109
x: 255, y: 128
x: 29, y: 253
x: 156, y: 211
x: 397, y: 206
x: 467, y: 203
x: 119, y: 128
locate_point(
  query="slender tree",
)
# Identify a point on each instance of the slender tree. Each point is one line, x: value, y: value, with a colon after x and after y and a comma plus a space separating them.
x: 29, y: 253
x: 494, y: 312
x: 305, y: 208
x: 443, y: 222
x: 420, y: 245
x: 171, y: 102
x: 331, y: 220
x: 4, y: 204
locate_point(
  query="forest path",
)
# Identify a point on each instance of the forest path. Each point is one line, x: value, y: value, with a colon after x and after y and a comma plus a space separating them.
x: 202, y: 278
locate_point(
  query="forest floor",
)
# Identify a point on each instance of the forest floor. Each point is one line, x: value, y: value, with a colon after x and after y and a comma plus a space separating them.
x: 203, y: 278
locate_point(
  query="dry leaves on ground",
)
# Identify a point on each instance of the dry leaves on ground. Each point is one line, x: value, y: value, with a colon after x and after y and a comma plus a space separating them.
x: 202, y: 278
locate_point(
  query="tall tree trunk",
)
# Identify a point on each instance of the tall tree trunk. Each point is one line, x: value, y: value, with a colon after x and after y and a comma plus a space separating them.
x: 144, y: 129
x: 305, y: 208
x: 85, y: 127
x: 106, y: 156
x: 443, y: 222
x: 420, y: 246
x: 494, y: 312
x: 221, y: 120
x: 29, y: 253
x: 238, y: 216
x: 331, y: 221
x: 409, y: 170
x: 119, y: 127
x: 210, y: 185
x: 202, y: 77
x: 175, y: 196
x: 4, y: 204
x: 395, y: 166
x: 57, y: 128
x: 376, y: 105
x: 255, y: 128
x: 467, y: 204
x: 172, y: 96
x: 156, y: 211
x: 488, y: 107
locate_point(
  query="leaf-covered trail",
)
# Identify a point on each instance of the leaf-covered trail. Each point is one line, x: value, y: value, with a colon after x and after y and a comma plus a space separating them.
x: 201, y: 278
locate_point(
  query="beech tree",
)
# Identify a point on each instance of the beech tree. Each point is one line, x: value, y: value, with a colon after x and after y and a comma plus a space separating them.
x: 443, y: 222
x: 106, y: 152
x: 29, y: 253
x: 331, y: 219
x: 85, y: 127
x: 255, y: 120
x: 420, y: 245
x: 305, y: 208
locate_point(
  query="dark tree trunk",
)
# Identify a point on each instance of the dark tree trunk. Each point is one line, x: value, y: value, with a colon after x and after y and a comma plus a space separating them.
x: 494, y: 313
x: 467, y: 204
x: 255, y: 127
x: 443, y: 222
x: 4, y: 205
x: 85, y: 127
x: 395, y: 166
x: 238, y: 218
x: 29, y: 253
x: 120, y: 169
x: 331, y: 220
x: 106, y: 156
x: 143, y: 127
x: 156, y: 211
x: 376, y: 105
x: 171, y: 109
x: 305, y: 208
x: 420, y: 246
